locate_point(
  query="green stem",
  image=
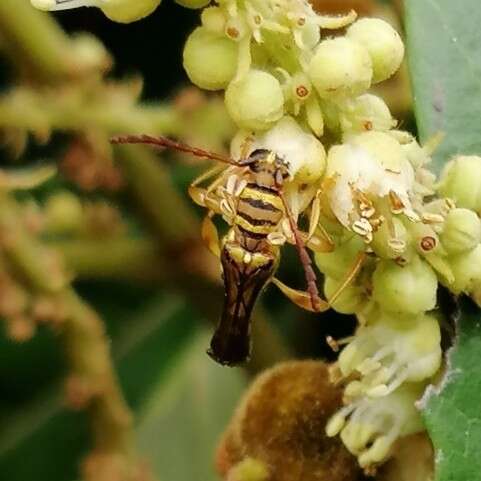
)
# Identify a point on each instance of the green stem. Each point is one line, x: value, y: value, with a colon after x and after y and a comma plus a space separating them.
x: 83, y: 333
x: 35, y: 38
x: 112, y: 258
x: 43, y: 111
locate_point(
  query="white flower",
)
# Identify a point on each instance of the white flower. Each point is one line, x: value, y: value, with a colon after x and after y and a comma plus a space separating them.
x: 391, y: 351
x: 369, y: 427
x: 372, y: 164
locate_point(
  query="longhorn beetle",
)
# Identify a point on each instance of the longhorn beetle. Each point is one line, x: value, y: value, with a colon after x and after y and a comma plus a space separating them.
x: 249, y: 196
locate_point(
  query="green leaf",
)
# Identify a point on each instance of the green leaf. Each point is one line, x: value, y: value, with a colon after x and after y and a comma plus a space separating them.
x: 444, y: 51
x: 181, y: 424
x: 452, y: 410
x: 44, y: 441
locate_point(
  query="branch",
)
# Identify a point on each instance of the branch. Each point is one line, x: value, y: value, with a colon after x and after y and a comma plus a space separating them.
x: 92, y: 381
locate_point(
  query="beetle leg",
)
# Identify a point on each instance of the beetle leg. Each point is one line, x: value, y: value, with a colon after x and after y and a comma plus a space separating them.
x: 198, y: 194
x: 209, y: 234
x: 300, y: 298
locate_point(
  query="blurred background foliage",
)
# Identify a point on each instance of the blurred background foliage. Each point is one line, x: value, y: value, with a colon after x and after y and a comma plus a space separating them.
x: 130, y: 240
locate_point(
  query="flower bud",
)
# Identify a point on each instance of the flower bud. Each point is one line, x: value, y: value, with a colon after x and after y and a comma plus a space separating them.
x: 255, y: 101
x: 338, y: 263
x: 461, y: 231
x: 210, y: 60
x: 340, y: 67
x: 304, y: 153
x: 349, y: 301
x: 194, y: 4
x: 409, y: 289
x: 63, y: 212
x: 383, y: 43
x: 391, y: 240
x: 461, y: 181
x: 123, y: 11
x: 249, y: 469
x: 366, y: 112
x: 213, y: 19
x: 126, y: 11
x: 466, y: 268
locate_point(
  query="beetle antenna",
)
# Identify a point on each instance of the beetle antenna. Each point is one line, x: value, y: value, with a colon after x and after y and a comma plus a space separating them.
x: 171, y: 144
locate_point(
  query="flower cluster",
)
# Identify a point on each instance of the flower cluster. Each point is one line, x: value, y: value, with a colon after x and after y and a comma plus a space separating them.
x: 297, y: 83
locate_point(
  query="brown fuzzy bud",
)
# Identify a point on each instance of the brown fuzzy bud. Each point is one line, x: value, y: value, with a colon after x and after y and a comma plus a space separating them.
x: 281, y: 424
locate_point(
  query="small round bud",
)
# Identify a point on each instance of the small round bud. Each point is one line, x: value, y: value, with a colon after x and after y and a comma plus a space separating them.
x: 210, y: 60
x: 194, y: 4
x: 213, y: 19
x: 364, y: 113
x: 348, y: 302
x: 63, y: 212
x: 383, y: 43
x: 340, y: 67
x: 461, y: 181
x: 390, y: 241
x: 126, y: 11
x: 466, y: 268
x: 409, y: 289
x: 337, y: 264
x: 461, y: 231
x: 256, y: 101
x: 304, y: 153
x: 249, y: 469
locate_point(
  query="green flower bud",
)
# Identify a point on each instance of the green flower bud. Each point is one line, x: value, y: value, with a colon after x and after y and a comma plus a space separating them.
x: 340, y: 67
x: 256, y: 101
x: 123, y: 11
x: 193, y: 3
x: 349, y: 301
x: 338, y: 263
x: 461, y: 231
x: 409, y: 289
x: 210, y: 60
x: 390, y: 241
x: 383, y: 43
x: 366, y: 112
x: 126, y: 11
x: 466, y: 268
x: 213, y: 19
x: 461, y: 181
x: 63, y: 212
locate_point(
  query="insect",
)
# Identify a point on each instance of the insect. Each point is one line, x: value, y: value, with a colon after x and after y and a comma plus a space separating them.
x: 248, y: 194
